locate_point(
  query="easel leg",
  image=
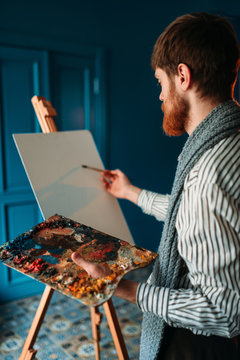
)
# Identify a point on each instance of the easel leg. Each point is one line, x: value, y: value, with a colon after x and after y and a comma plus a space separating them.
x: 115, y: 330
x: 96, y: 317
x: 28, y: 353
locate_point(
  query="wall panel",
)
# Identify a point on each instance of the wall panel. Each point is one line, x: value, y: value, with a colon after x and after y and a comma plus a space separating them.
x: 20, y: 74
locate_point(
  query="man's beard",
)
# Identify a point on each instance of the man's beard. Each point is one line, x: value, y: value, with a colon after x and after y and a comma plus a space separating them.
x: 175, y: 114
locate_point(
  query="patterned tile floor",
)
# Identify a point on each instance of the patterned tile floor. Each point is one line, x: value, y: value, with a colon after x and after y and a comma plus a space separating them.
x: 66, y: 332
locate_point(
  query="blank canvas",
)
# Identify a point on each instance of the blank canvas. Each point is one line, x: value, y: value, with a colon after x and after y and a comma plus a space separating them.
x: 53, y: 163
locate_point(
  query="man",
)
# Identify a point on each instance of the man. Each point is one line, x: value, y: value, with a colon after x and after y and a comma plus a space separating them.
x: 191, y: 302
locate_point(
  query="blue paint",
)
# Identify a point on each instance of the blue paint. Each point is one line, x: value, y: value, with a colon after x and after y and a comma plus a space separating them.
x: 50, y: 259
x: 56, y: 251
x: 24, y: 242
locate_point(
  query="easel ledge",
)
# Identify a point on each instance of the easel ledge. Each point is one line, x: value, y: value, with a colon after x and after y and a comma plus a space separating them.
x: 45, y: 113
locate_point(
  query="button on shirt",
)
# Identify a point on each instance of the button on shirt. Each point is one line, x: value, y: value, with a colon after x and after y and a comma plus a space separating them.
x: 207, y: 300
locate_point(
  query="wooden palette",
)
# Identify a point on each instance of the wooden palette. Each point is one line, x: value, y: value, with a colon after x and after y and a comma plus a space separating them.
x: 44, y: 253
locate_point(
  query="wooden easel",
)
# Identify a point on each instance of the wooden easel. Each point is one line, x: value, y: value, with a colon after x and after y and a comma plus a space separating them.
x: 45, y: 113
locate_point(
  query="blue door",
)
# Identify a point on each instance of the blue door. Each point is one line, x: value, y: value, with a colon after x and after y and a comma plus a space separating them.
x: 74, y: 84
x: 23, y: 73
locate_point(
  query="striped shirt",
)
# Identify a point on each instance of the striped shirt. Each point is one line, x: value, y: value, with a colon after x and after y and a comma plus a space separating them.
x: 207, y: 298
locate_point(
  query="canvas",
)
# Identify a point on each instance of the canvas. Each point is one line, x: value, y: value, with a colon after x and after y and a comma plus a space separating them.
x: 44, y: 253
x: 61, y: 185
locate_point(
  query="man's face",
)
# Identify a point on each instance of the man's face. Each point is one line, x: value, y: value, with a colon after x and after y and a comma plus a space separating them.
x: 174, y: 107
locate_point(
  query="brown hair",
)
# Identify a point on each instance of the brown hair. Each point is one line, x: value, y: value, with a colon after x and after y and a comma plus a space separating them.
x: 208, y: 45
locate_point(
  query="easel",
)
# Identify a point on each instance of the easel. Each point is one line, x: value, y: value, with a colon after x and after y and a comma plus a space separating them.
x: 45, y: 113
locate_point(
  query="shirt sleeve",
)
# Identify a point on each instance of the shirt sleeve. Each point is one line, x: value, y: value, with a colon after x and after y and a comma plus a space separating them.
x: 154, y: 204
x: 210, y: 246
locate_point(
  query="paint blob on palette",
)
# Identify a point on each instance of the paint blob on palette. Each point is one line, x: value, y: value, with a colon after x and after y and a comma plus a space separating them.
x: 44, y: 253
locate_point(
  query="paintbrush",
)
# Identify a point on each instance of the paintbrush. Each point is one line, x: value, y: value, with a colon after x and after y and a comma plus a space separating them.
x: 99, y: 170
x: 93, y: 168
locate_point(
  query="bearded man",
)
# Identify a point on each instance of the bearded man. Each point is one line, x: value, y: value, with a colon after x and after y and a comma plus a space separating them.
x: 191, y: 302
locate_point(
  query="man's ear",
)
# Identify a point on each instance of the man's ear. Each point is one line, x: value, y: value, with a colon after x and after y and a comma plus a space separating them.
x: 184, y: 77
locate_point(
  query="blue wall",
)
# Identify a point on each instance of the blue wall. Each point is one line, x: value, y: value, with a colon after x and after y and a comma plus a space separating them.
x: 127, y: 30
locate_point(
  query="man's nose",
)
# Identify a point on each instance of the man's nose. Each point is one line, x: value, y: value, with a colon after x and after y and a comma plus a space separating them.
x: 161, y: 96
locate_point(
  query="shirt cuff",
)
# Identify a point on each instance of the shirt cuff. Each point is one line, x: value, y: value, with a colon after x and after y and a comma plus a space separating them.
x: 145, y: 200
x: 153, y: 299
x: 154, y: 204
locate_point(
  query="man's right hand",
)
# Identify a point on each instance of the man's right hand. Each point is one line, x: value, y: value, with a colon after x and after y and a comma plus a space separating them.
x: 117, y: 184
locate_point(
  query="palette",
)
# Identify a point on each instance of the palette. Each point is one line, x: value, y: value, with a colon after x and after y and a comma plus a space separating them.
x: 44, y: 253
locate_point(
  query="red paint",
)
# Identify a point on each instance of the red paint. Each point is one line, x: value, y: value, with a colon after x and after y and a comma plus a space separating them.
x: 124, y: 243
x: 20, y: 259
x: 35, y: 266
x: 101, y: 253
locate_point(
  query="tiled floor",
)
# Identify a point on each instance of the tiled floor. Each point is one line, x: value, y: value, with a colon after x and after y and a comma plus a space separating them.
x: 66, y: 332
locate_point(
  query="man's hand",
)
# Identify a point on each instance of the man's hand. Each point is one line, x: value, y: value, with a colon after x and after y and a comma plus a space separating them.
x: 120, y: 186
x: 93, y: 269
x: 126, y: 289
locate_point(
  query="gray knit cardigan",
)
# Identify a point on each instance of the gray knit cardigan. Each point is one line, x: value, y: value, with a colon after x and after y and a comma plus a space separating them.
x: 223, y: 121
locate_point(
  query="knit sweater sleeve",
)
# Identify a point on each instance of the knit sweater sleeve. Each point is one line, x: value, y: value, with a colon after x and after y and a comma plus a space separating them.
x: 154, y: 204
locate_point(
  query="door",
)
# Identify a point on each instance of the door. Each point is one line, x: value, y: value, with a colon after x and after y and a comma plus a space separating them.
x: 23, y: 73
x: 74, y: 81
